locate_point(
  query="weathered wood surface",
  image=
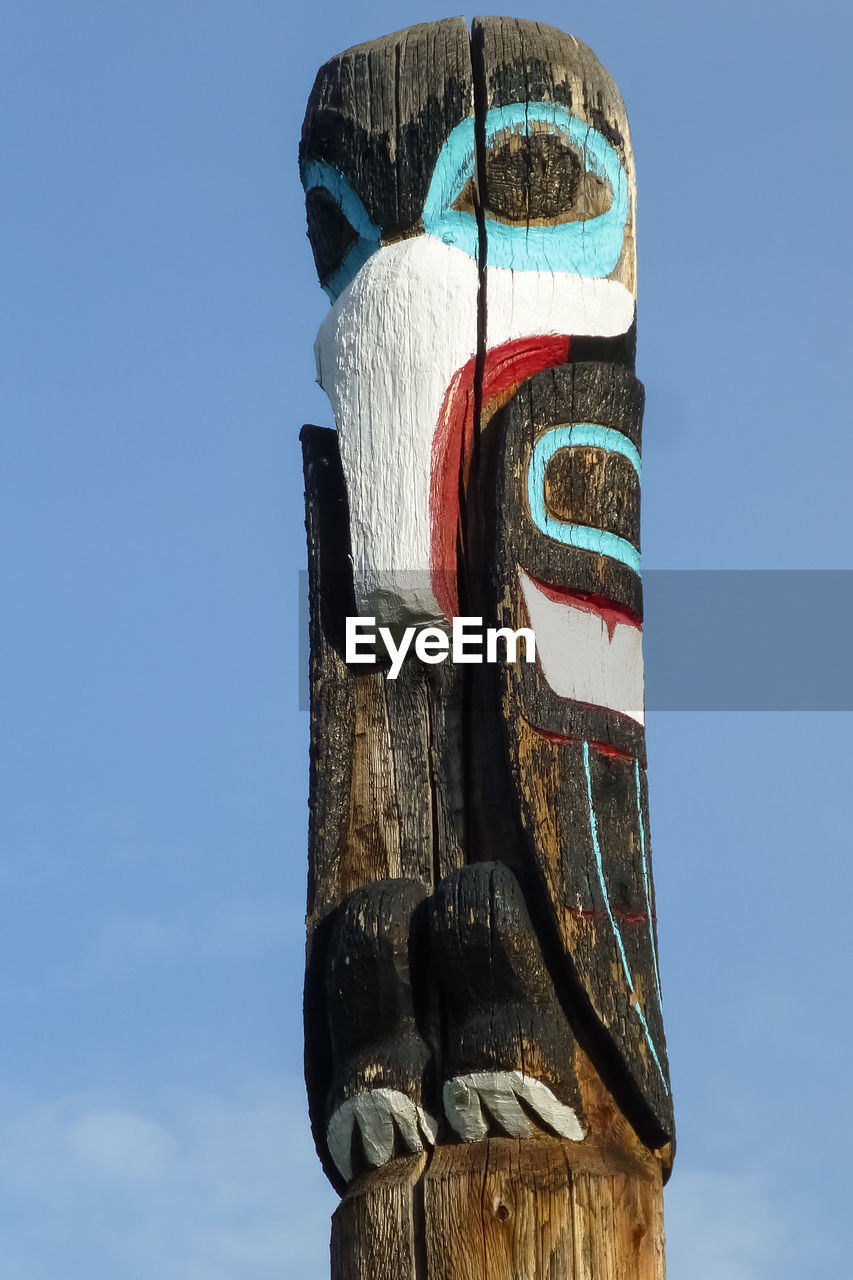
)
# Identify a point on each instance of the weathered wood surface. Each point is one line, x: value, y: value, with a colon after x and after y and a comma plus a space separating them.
x: 507, y: 1052
x: 503, y: 1209
x: 384, y: 790
x: 377, y: 1230
x: 380, y: 112
x: 510, y: 1210
x: 485, y: 1058
x: 570, y: 770
x: 385, y: 794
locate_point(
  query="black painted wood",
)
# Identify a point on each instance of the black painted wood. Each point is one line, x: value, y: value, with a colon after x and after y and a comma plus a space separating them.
x: 549, y: 757
x: 378, y: 1020
x: 380, y: 113
x: 498, y: 1004
x: 600, y: 393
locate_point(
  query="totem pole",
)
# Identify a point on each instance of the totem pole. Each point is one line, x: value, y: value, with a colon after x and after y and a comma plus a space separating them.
x: 485, y: 1055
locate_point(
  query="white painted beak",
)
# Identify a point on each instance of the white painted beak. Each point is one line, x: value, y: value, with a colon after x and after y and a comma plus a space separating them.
x: 386, y: 355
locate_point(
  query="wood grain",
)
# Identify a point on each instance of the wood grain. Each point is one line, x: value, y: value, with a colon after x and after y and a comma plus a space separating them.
x: 500, y: 1210
x: 376, y: 1231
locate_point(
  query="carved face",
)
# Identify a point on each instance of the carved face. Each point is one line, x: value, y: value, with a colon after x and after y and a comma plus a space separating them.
x: 463, y: 249
x: 470, y: 206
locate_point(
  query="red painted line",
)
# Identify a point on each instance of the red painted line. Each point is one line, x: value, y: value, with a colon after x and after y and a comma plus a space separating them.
x: 619, y: 913
x: 564, y: 740
x: 612, y: 753
x: 561, y: 739
x: 610, y: 613
x: 506, y: 368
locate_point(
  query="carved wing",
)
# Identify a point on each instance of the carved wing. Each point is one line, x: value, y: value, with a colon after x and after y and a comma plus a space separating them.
x: 560, y: 501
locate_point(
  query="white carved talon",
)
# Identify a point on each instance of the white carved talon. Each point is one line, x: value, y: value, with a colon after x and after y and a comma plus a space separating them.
x: 472, y: 1101
x: 378, y: 1114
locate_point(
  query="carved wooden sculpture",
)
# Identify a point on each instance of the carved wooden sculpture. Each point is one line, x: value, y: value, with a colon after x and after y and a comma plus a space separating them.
x: 485, y: 1053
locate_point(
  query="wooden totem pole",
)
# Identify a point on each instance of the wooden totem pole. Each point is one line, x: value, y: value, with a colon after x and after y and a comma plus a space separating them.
x: 485, y: 1054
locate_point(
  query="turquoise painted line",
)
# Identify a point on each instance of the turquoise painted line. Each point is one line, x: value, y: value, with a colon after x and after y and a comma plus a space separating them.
x: 651, y: 1045
x: 318, y: 173
x: 589, y: 433
x: 646, y: 882
x: 582, y: 536
x: 588, y: 248
x: 585, y: 538
x: 454, y: 168
x: 354, y: 260
x: 593, y: 826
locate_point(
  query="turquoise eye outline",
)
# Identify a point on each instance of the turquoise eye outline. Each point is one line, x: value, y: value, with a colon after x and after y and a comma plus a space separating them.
x: 582, y: 536
x: 319, y: 173
x: 587, y: 248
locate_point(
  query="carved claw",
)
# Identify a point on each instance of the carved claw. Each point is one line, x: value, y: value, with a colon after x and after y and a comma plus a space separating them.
x: 379, y: 1115
x: 475, y: 1103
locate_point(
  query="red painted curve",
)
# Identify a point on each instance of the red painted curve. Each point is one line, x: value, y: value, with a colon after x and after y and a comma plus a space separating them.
x: 506, y: 367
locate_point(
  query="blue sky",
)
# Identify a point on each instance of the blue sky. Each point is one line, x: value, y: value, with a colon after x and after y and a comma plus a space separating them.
x: 156, y: 367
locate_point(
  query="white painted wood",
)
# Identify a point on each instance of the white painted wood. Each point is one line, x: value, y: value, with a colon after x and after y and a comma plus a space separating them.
x: 522, y: 303
x: 386, y: 355
x: 378, y: 1113
x: 474, y: 1103
x: 579, y: 658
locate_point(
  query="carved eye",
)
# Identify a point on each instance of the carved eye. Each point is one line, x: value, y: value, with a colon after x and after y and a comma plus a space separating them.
x: 331, y: 233
x: 583, y: 489
x: 339, y: 228
x: 537, y: 178
x: 587, y: 485
x: 556, y: 194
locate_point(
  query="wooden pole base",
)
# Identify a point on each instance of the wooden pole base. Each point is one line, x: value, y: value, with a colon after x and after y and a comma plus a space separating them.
x: 502, y: 1209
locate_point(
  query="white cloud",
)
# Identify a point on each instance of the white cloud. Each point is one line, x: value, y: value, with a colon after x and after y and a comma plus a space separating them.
x: 119, y: 1144
x: 194, y: 1188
